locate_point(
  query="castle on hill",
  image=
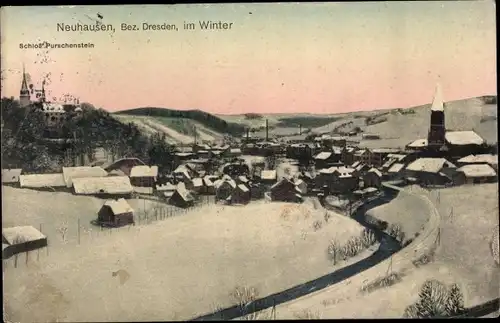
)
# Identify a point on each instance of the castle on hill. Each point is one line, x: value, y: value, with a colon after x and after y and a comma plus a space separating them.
x: 54, y: 113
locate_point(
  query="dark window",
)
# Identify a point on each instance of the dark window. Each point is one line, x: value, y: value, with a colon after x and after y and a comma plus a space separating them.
x: 53, y: 118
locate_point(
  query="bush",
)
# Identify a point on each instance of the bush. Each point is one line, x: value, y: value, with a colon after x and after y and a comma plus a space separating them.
x: 436, y: 300
x: 353, y: 247
x: 396, y: 231
x: 382, y: 282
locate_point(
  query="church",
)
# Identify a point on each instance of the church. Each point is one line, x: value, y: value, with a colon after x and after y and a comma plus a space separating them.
x: 444, y: 143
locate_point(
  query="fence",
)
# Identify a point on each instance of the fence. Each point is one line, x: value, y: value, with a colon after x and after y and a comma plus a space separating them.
x: 85, y: 229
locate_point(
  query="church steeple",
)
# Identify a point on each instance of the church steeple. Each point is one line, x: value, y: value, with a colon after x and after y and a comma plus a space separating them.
x: 437, y: 130
x: 24, y: 95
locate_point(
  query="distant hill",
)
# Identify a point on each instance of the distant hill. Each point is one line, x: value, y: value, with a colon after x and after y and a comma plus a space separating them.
x: 208, y: 120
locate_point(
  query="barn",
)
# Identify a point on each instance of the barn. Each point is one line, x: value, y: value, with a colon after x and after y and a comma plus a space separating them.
x: 372, y: 178
x: 115, y: 213
x: 181, y: 197
x: 224, y: 188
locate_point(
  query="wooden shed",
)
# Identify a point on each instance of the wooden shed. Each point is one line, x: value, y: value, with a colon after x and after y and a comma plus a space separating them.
x: 115, y: 213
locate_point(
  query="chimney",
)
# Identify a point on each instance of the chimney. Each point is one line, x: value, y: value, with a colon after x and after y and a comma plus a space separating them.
x: 267, y: 131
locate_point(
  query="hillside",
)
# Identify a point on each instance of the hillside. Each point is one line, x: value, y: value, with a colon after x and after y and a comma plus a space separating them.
x: 207, y: 120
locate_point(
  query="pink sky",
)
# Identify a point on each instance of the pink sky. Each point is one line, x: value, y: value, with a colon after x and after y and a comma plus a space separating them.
x: 316, y: 58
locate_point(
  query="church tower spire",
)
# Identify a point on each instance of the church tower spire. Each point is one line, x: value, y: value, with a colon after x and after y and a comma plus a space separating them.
x: 24, y: 94
x: 436, y: 136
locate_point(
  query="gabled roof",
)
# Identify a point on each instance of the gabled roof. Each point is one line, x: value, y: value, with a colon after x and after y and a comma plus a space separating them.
x: 429, y: 165
x: 207, y: 181
x: 144, y: 171
x: 243, y: 188
x: 15, y: 235
x: 184, y: 193
x: 323, y: 155
x: 42, y: 180
x: 375, y: 171
x: 480, y: 159
x: 479, y: 170
x: 70, y: 173
x: 119, y: 206
x: 103, y: 185
x: 396, y: 168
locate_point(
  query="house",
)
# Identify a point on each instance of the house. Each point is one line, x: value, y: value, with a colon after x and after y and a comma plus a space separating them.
x: 463, y: 143
x: 326, y: 158
x: 111, y: 186
x: 124, y: 164
x: 69, y: 173
x: 380, y: 154
x: 224, y: 188
x: 195, y: 185
x: 208, y: 184
x: 185, y: 173
x: 372, y: 178
x: 431, y: 171
x: 11, y: 176
x: 475, y: 174
x: 242, y: 180
x: 302, y: 186
x: 395, y: 172
x: 181, y: 197
x: 166, y: 190
x: 346, y: 183
x: 268, y: 176
x: 361, y: 168
x: 235, y: 169
x: 144, y: 176
x: 43, y: 181
x: 391, y: 159
x: 240, y: 195
x: 22, y: 239
x: 115, y: 213
x: 488, y: 159
x: 347, y: 155
x: 364, y: 156
x: 285, y: 191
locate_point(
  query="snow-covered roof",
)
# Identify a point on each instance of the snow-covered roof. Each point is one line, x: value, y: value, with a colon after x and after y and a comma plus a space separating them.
x: 480, y: 170
x: 396, y: 168
x: 70, y: 173
x: 429, y: 165
x: 419, y: 143
x: 144, y: 171
x: 103, y: 185
x: 459, y: 138
x: 323, y: 155
x: 375, y: 171
x: 480, y: 159
x: 119, y: 206
x: 268, y: 174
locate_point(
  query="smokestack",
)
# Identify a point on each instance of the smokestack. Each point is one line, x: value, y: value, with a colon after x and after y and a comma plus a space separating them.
x: 267, y: 131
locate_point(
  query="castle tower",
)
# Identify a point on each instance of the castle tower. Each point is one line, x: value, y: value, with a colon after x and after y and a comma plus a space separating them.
x: 437, y: 128
x: 24, y: 95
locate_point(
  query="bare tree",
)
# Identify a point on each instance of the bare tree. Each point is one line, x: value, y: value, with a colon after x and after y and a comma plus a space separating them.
x: 63, y: 230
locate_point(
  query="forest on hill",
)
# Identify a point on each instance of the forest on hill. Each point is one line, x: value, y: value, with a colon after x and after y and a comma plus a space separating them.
x: 206, y: 119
